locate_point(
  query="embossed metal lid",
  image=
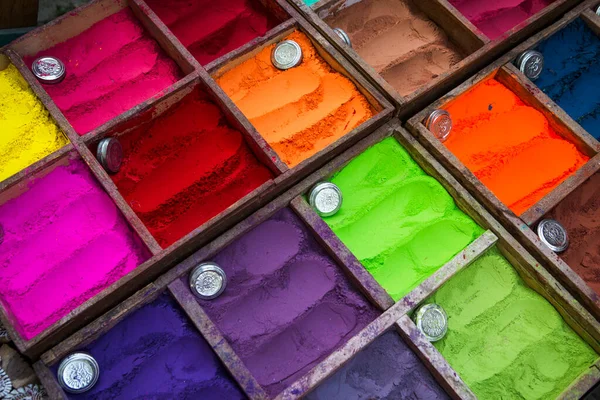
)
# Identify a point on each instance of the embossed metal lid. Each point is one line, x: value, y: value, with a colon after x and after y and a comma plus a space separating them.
x: 440, y: 124
x: 431, y: 319
x: 343, y: 35
x: 110, y: 154
x: 78, y: 373
x: 207, y: 281
x: 531, y: 63
x: 553, y: 234
x: 325, y: 198
x: 287, y: 54
x: 48, y: 69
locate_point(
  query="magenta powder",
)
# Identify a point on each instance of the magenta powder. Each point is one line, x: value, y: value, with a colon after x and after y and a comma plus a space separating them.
x: 111, y: 67
x: 64, y: 242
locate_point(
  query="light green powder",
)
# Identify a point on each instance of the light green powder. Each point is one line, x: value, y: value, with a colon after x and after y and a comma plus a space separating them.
x: 504, y: 339
x: 399, y: 222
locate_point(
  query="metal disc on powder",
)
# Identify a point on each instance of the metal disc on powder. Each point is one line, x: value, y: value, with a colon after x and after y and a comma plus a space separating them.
x: 287, y: 54
x: 440, y: 124
x: 343, y: 35
x: 48, y: 69
x: 207, y: 281
x: 78, y: 373
x: 431, y: 319
x: 325, y: 198
x: 553, y: 234
x: 531, y: 64
x: 110, y: 154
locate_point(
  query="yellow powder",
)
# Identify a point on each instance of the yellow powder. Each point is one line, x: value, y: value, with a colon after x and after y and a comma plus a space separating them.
x: 27, y: 133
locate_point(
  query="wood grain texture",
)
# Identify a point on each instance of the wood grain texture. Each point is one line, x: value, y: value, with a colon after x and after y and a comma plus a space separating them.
x: 18, y: 13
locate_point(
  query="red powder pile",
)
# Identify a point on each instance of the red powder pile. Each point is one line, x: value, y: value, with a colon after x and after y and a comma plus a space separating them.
x: 210, y: 29
x: 185, y: 167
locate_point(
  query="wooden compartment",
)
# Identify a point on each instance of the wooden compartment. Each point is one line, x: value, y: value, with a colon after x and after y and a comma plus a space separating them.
x: 476, y: 49
x: 395, y: 316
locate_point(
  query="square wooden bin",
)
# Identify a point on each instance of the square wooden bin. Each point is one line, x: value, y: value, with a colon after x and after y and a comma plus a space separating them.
x: 578, y: 278
x: 471, y: 49
x: 164, y: 106
x: 220, y: 324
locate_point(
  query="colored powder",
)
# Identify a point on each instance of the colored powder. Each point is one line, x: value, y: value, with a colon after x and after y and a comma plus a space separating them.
x: 185, y: 167
x: 569, y: 76
x: 28, y: 132
x: 156, y: 353
x: 494, y: 18
x: 211, y: 29
x: 399, y: 222
x: 506, y: 144
x: 579, y: 213
x: 64, y: 242
x: 504, y: 339
x: 299, y: 111
x: 111, y: 67
x: 310, y: 2
x: 386, y: 369
x: 398, y: 40
x: 287, y: 304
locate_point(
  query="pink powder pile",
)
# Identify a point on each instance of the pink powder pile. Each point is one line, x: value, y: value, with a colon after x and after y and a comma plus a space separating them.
x: 111, y: 67
x: 64, y: 242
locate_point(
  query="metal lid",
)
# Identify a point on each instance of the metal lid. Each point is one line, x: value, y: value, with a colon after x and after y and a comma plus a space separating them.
x: 110, y: 154
x: 78, y: 373
x: 325, y: 198
x: 531, y: 63
x: 553, y: 234
x: 208, y: 281
x: 440, y: 124
x: 48, y: 69
x: 286, y: 55
x: 598, y: 10
x: 343, y: 35
x: 431, y: 319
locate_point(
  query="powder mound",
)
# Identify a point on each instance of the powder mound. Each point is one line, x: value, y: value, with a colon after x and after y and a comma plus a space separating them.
x: 156, y: 353
x: 185, y: 167
x: 111, y: 67
x: 28, y: 132
x: 399, y: 222
x: 287, y: 304
x: 299, y: 111
x: 211, y: 29
x: 504, y: 339
x: 494, y: 18
x: 398, y: 41
x: 506, y: 144
x: 64, y: 242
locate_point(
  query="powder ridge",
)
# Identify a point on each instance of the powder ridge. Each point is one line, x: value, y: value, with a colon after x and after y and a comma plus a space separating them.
x: 299, y: 111
x: 64, y: 242
x: 287, y: 304
x: 504, y: 339
x: 185, y: 167
x: 494, y: 18
x: 28, y: 132
x: 156, y: 353
x: 569, y: 76
x: 398, y: 41
x: 399, y: 222
x: 506, y: 144
x: 386, y: 369
x: 111, y: 67
x: 211, y: 29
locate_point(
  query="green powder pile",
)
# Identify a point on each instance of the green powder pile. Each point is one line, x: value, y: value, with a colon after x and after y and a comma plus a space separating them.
x: 399, y: 222
x: 504, y: 339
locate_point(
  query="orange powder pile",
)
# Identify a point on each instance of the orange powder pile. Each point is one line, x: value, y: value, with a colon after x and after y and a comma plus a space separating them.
x: 509, y: 145
x: 299, y: 111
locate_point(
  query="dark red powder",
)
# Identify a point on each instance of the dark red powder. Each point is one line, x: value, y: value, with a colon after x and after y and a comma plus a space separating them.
x: 209, y: 28
x: 185, y: 167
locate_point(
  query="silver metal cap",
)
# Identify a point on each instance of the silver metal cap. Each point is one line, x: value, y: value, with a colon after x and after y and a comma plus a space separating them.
x: 440, y: 124
x: 110, y: 154
x: 48, y: 70
x: 431, y: 319
x: 325, y: 198
x: 286, y: 55
x: 343, y: 35
x: 207, y: 281
x: 78, y: 373
x: 553, y: 234
x: 531, y: 64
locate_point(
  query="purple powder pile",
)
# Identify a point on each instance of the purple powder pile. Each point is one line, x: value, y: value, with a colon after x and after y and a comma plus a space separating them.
x: 287, y: 304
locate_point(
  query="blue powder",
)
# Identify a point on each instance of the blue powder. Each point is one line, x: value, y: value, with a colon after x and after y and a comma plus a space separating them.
x: 571, y: 76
